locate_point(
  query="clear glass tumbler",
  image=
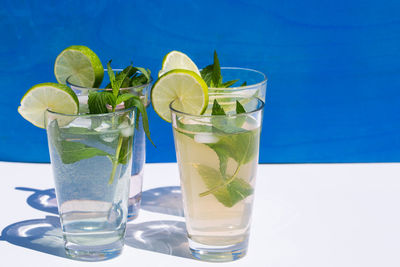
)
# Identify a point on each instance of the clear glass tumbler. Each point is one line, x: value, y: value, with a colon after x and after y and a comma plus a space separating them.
x: 218, y: 157
x: 139, y: 145
x: 251, y: 83
x: 91, y: 157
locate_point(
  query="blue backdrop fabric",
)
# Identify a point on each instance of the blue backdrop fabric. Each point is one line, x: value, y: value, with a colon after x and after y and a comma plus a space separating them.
x: 333, y: 66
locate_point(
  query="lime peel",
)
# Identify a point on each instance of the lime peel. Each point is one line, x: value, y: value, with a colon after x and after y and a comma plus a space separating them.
x: 185, y: 85
x: 56, y: 97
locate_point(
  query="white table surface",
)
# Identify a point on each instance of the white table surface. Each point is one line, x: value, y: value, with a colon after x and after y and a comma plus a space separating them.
x: 304, y: 215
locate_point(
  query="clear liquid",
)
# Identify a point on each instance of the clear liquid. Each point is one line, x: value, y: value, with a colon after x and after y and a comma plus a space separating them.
x: 92, y: 210
x: 208, y: 220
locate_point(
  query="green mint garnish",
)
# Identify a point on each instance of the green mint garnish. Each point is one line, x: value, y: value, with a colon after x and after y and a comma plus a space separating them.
x: 72, y: 152
x: 133, y: 76
x: 239, y: 108
x: 235, y: 143
x: 228, y: 83
x: 98, y: 103
x: 217, y: 109
x: 212, y: 75
x: 226, y: 192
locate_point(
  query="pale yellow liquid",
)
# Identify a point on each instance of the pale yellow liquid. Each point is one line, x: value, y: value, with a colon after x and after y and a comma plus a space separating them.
x: 208, y: 221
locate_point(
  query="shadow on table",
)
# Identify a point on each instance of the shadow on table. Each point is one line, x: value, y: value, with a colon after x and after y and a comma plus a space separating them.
x: 43, y: 200
x: 166, y: 237
x: 165, y: 200
x: 45, y: 235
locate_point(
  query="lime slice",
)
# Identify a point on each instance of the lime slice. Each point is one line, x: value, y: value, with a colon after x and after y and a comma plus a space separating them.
x: 57, y: 97
x: 177, y: 60
x: 82, y: 64
x: 184, y: 85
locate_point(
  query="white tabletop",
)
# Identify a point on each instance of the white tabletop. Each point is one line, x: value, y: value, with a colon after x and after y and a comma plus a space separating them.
x: 304, y: 215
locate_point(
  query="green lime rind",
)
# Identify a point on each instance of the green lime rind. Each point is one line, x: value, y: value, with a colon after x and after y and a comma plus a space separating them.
x: 177, y: 60
x: 82, y: 64
x: 161, y: 104
x: 56, y: 97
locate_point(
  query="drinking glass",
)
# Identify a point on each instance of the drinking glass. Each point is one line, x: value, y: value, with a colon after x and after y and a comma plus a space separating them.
x: 91, y: 159
x: 139, y: 145
x: 218, y: 157
x: 255, y: 83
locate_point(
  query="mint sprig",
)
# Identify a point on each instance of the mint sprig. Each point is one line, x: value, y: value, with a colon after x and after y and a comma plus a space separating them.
x: 106, y: 101
x: 212, y: 75
x: 234, y: 143
x: 133, y: 76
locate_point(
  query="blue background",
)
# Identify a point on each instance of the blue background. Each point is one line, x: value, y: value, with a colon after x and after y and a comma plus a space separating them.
x: 333, y: 93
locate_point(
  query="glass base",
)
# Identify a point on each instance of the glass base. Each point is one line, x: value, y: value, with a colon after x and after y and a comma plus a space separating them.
x: 218, y: 253
x: 94, y: 253
x: 135, y: 196
x: 134, y: 207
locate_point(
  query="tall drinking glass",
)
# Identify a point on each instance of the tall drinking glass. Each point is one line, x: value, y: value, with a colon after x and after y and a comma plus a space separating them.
x: 251, y: 83
x: 139, y: 143
x: 218, y: 157
x: 91, y: 160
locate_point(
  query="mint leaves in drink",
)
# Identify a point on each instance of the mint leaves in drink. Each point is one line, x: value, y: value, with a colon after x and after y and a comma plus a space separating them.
x: 212, y: 75
x: 233, y: 143
x: 228, y: 192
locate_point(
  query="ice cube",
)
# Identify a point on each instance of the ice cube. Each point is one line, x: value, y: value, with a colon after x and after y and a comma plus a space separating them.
x: 205, y: 138
x: 126, y: 129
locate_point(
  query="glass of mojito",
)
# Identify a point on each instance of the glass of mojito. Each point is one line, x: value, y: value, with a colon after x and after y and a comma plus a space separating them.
x: 91, y: 160
x: 217, y: 154
x: 140, y: 87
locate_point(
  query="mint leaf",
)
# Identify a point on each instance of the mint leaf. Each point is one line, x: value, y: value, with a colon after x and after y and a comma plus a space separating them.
x: 212, y: 73
x: 97, y: 101
x: 145, y: 72
x: 228, y: 84
x: 138, y: 80
x: 216, y: 77
x: 239, y: 108
x: 111, y: 74
x: 226, y: 193
x: 217, y: 109
x: 243, y: 146
x: 213, y: 77
x: 206, y: 74
x: 134, y: 101
x: 124, y: 97
x: 126, y: 150
x: 71, y: 152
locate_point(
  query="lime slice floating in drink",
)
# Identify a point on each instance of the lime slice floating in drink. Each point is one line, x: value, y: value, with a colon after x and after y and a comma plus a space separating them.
x: 56, y: 97
x: 183, y: 85
x: 177, y: 60
x: 82, y: 64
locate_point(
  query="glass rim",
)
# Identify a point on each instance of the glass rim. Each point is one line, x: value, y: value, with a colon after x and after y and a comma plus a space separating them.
x: 237, y: 88
x: 117, y: 112
x: 226, y: 115
x: 98, y: 89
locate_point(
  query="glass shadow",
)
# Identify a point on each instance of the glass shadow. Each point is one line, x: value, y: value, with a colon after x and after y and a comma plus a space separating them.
x: 166, y: 237
x: 43, y: 200
x: 165, y: 200
x: 43, y: 235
